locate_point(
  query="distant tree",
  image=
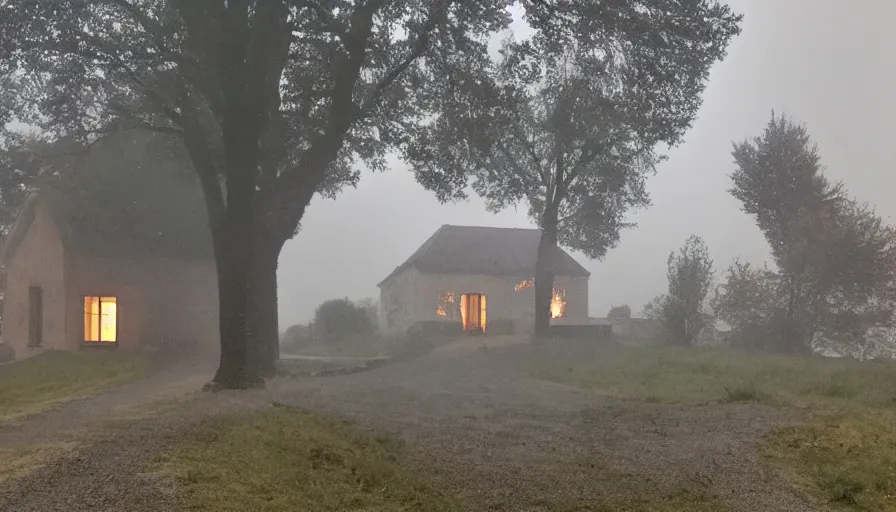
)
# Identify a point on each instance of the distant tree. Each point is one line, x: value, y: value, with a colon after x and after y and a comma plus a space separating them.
x: 683, y: 309
x: 749, y: 299
x: 341, y: 319
x: 295, y: 338
x: 372, y: 307
x: 621, y: 312
x: 835, y: 258
x: 653, y: 310
x: 570, y: 126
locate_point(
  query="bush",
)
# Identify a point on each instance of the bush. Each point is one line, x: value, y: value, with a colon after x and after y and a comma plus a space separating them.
x: 7, y: 353
x: 341, y: 319
x: 620, y: 312
x: 296, y: 338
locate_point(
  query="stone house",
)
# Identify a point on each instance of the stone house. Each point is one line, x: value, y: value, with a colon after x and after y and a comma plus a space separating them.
x: 480, y: 277
x: 124, y: 259
x: 66, y: 291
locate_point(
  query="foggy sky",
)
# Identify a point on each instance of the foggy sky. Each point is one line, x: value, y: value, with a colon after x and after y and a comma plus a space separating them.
x: 827, y: 63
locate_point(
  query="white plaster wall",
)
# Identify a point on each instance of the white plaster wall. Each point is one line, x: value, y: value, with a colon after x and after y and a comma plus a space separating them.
x: 398, y: 301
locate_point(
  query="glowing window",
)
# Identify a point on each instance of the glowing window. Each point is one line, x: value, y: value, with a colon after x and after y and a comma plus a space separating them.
x: 524, y: 285
x: 558, y: 303
x: 100, y: 319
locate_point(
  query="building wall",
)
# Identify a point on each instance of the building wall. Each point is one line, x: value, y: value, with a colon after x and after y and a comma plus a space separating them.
x: 398, y: 301
x: 37, y: 261
x: 414, y: 297
x: 162, y: 303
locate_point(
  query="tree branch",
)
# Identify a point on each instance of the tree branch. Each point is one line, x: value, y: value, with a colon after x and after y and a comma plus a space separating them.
x: 330, y: 23
x: 439, y: 12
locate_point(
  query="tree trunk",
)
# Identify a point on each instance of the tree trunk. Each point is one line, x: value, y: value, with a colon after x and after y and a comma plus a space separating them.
x: 263, y: 319
x: 544, y: 273
x: 239, y: 352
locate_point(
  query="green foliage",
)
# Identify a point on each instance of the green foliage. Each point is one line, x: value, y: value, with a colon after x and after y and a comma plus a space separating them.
x: 836, y: 259
x: 571, y: 131
x: 296, y: 338
x: 287, y: 459
x: 339, y: 320
x: 682, y: 310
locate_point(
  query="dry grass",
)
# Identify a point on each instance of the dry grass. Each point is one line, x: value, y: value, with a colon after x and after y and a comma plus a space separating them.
x: 845, y: 454
x: 19, y: 461
x: 53, y: 378
x: 285, y: 459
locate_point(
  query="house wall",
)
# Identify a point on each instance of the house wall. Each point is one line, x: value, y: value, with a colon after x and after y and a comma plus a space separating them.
x: 414, y: 297
x: 37, y: 261
x: 398, y: 301
x: 162, y: 303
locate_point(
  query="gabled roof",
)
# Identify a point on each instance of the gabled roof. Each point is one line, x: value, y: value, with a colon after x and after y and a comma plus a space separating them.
x: 123, y: 201
x: 115, y: 232
x: 479, y: 250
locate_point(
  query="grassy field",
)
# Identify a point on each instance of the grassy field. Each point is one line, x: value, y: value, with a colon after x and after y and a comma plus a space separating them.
x: 845, y: 454
x: 54, y: 377
x: 285, y: 459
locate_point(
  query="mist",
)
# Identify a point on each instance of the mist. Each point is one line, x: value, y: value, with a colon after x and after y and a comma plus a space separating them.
x: 817, y: 61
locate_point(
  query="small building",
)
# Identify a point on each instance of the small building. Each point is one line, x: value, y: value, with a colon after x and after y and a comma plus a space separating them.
x: 67, y: 288
x: 481, y: 278
x: 123, y: 260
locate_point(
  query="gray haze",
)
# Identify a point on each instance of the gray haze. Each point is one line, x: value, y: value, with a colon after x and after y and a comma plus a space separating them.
x: 827, y: 63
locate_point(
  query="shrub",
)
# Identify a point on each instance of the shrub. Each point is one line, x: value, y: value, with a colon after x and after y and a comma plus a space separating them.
x: 341, y: 319
x: 620, y: 312
x: 296, y: 338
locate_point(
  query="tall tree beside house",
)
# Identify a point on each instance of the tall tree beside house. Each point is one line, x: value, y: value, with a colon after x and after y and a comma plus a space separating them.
x: 835, y: 258
x: 569, y: 125
x: 272, y: 99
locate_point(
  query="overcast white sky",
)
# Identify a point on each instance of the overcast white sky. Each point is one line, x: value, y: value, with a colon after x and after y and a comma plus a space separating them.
x: 827, y: 63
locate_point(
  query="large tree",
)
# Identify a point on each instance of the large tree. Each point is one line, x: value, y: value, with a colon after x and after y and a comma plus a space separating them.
x: 836, y: 259
x: 569, y: 125
x: 274, y: 100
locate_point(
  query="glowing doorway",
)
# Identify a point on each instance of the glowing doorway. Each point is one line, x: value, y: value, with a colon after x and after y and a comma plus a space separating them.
x: 473, y: 312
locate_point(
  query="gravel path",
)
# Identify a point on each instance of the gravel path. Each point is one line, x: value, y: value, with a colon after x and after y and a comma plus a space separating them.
x: 497, y: 438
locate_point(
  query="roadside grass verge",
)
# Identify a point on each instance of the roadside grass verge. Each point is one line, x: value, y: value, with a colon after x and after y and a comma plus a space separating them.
x: 845, y: 453
x: 56, y: 377
x: 848, y: 460
x: 705, y: 375
x: 287, y: 459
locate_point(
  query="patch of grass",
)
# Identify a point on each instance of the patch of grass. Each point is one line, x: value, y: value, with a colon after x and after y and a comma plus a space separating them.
x: 702, y: 375
x: 848, y: 460
x: 55, y: 377
x: 845, y: 454
x: 285, y: 459
x: 16, y: 462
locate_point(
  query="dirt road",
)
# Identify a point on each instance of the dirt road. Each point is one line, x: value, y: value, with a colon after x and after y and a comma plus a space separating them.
x: 494, y: 436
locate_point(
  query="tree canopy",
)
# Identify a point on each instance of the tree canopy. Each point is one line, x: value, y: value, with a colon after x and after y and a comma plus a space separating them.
x: 835, y: 257
x: 573, y: 129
